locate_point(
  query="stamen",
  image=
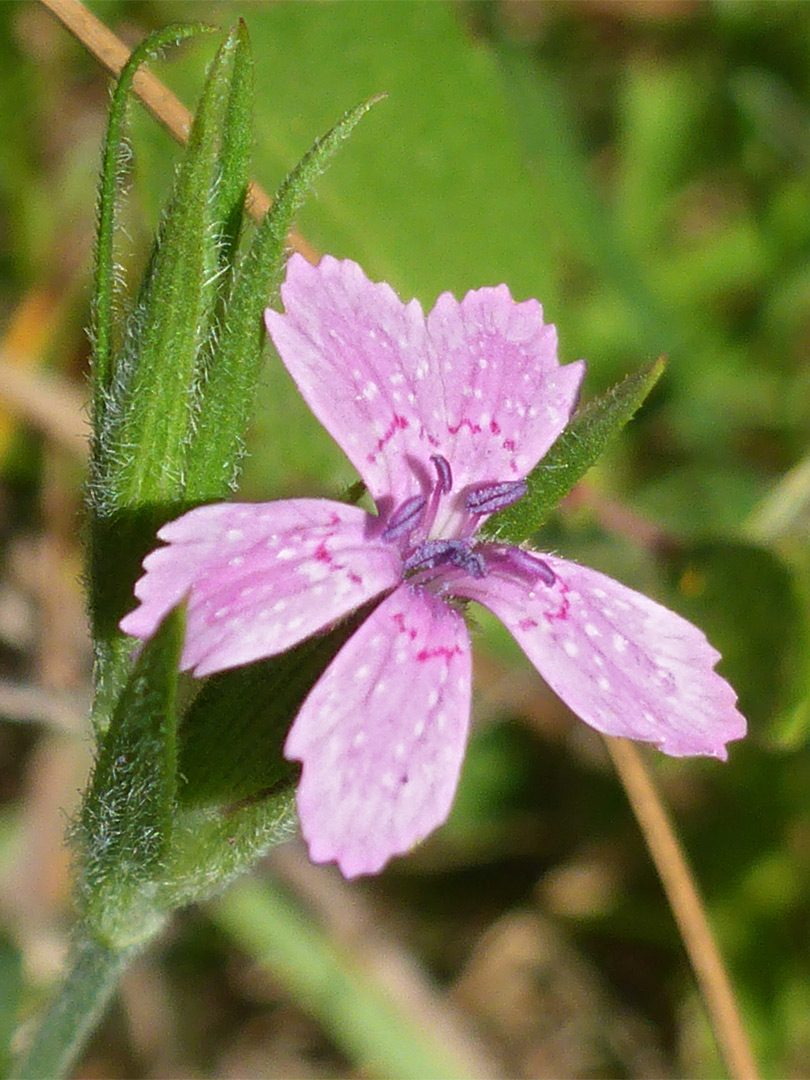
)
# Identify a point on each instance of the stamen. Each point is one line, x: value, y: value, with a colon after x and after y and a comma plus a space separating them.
x: 444, y: 473
x: 492, y: 497
x: 435, y: 553
x: 524, y: 563
x: 430, y: 554
x: 405, y: 518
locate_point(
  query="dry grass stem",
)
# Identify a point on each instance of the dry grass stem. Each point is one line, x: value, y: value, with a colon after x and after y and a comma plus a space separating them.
x: 688, y: 909
x: 161, y: 102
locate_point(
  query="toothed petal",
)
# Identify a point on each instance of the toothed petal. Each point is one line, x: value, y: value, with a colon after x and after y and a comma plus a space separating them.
x: 383, y: 733
x: 260, y: 577
x: 478, y: 383
x: 505, y: 397
x: 356, y: 352
x: 623, y: 663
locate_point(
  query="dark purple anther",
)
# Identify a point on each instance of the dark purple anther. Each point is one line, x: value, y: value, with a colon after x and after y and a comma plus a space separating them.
x: 405, y: 518
x: 435, y: 553
x: 444, y: 472
x: 492, y: 497
x: 519, y: 561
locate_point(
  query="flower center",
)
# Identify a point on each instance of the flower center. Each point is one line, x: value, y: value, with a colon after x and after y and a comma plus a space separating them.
x: 425, y: 555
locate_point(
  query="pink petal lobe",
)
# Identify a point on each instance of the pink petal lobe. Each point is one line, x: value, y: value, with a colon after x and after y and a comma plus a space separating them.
x: 505, y: 396
x: 260, y: 577
x: 477, y: 383
x: 623, y: 663
x: 382, y: 734
x: 356, y: 351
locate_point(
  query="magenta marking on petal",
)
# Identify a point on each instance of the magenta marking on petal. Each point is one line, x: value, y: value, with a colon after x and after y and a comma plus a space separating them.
x: 454, y: 429
x: 432, y: 654
x: 399, y: 423
x: 491, y: 497
x: 405, y: 518
x: 444, y: 473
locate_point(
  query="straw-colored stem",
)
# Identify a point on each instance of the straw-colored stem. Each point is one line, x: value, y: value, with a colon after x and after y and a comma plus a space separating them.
x: 688, y: 909
x: 161, y: 102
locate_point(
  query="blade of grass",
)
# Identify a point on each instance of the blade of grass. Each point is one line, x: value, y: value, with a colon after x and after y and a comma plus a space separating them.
x: 687, y: 908
x: 331, y: 981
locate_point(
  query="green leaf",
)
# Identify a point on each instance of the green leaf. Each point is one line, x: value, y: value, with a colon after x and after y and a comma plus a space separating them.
x: 212, y: 845
x: 236, y: 151
x: 141, y: 433
x: 126, y: 819
x: 229, y: 389
x: 574, y: 452
x: 114, y: 159
x: 142, y: 448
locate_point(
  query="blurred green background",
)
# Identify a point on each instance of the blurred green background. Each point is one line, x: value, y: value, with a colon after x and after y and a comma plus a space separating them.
x: 643, y: 169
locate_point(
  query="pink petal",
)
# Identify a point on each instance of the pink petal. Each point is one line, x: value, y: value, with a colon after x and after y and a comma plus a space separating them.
x: 383, y: 733
x: 505, y: 396
x: 260, y: 577
x: 478, y: 383
x: 356, y: 351
x: 624, y: 664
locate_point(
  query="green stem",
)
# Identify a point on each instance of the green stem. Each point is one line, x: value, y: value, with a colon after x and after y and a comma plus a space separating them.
x: 93, y: 975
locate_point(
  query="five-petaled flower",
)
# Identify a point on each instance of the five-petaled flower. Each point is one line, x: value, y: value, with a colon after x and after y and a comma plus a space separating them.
x: 443, y: 417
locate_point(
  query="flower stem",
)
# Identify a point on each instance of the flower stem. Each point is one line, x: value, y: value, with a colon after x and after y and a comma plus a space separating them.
x: 687, y: 908
x: 93, y: 975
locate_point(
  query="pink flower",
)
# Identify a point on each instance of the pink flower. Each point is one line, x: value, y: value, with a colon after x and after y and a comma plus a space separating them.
x: 442, y: 417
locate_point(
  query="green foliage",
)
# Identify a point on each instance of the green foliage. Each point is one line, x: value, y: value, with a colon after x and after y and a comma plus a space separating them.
x: 145, y: 424
x: 114, y: 161
x: 173, y: 395
x: 227, y: 392
x: 127, y: 816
